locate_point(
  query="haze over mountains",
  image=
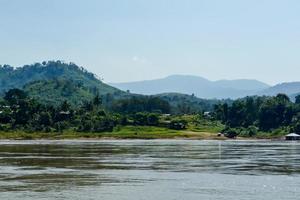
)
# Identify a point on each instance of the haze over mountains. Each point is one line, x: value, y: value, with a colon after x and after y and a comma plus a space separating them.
x: 55, y: 81
x: 198, y: 86
x: 204, y: 88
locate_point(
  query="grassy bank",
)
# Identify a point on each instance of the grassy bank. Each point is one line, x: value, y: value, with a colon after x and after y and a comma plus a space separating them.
x: 126, y: 132
x: 204, y: 130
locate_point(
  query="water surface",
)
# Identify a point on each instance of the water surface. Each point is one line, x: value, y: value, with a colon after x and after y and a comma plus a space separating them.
x: 149, y: 169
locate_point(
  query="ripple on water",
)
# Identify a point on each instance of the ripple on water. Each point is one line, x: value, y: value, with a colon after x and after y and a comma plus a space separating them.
x: 158, y: 169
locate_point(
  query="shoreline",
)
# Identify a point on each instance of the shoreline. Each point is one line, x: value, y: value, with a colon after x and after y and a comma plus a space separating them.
x: 132, y: 133
x: 91, y: 140
x: 104, y: 136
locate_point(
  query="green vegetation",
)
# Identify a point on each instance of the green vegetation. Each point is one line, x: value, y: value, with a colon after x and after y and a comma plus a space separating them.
x: 190, y: 104
x: 119, y: 132
x: 141, y: 103
x: 48, y: 81
x: 56, y: 91
x: 54, y: 82
x: 260, y: 116
x: 59, y: 100
x: 145, y: 117
x: 22, y: 117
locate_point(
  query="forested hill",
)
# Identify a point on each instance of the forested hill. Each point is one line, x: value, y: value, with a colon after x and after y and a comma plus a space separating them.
x: 46, y: 71
x: 55, y: 82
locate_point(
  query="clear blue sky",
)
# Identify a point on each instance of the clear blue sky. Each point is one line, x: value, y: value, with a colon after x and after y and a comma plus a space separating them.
x: 125, y: 40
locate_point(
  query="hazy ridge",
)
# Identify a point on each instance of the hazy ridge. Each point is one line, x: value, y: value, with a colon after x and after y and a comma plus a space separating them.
x: 55, y: 81
x: 199, y: 86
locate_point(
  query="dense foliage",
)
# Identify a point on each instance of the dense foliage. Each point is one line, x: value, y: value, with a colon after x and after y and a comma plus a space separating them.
x: 56, y: 96
x: 246, y: 117
x: 260, y: 114
x: 190, y: 104
x: 18, y: 111
x: 141, y: 104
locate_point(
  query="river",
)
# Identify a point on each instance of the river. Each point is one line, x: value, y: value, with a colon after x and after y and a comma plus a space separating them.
x: 149, y: 169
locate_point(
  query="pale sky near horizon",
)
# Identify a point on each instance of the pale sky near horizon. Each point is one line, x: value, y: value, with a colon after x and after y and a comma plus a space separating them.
x: 129, y: 40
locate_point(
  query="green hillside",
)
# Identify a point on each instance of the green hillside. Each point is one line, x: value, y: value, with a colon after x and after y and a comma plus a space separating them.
x: 54, y: 82
x: 183, y: 103
x: 19, y: 77
x: 58, y: 90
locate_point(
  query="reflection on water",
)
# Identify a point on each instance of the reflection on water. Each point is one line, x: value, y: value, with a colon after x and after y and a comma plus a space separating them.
x: 159, y: 169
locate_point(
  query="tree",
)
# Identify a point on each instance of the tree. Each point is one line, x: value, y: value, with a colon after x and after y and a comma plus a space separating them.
x: 102, y: 124
x: 178, y: 124
x: 140, y: 119
x: 13, y: 96
x: 153, y: 119
x: 141, y: 104
x: 268, y: 117
x: 282, y: 98
x: 221, y: 112
x: 297, y: 99
x: 65, y: 106
x: 45, y: 119
x: 5, y: 117
x: 97, y: 101
x: 237, y: 114
x: 297, y: 128
x: 231, y: 133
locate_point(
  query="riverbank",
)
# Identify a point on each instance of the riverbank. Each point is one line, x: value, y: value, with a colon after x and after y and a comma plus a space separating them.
x: 129, y: 132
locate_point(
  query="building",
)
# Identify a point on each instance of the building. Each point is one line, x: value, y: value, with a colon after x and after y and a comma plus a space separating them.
x: 292, y: 136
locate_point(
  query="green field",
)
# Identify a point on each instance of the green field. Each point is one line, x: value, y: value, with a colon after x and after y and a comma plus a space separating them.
x: 125, y: 132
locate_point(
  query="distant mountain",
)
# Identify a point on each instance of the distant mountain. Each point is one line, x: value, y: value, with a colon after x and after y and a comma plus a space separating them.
x: 54, y: 81
x: 289, y: 89
x: 198, y: 86
x: 242, y: 84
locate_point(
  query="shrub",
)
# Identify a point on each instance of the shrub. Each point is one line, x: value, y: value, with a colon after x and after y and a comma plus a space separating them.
x: 178, y: 124
x: 297, y: 128
x: 252, y: 130
x: 231, y: 133
x: 152, y: 119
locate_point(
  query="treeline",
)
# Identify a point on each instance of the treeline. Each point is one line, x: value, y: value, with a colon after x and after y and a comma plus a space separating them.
x: 20, y: 112
x: 141, y: 104
x: 190, y: 104
x: 252, y: 114
x: 247, y: 117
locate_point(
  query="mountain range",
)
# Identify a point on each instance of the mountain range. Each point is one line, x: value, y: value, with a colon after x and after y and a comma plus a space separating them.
x: 56, y: 81
x: 204, y: 88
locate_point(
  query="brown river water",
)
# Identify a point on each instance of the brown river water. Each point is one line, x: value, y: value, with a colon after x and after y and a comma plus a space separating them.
x: 149, y: 169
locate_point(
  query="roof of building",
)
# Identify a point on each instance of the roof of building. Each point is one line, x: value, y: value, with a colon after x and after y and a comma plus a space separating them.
x: 293, y: 135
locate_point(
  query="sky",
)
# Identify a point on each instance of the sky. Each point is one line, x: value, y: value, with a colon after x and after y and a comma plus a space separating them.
x: 130, y: 40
